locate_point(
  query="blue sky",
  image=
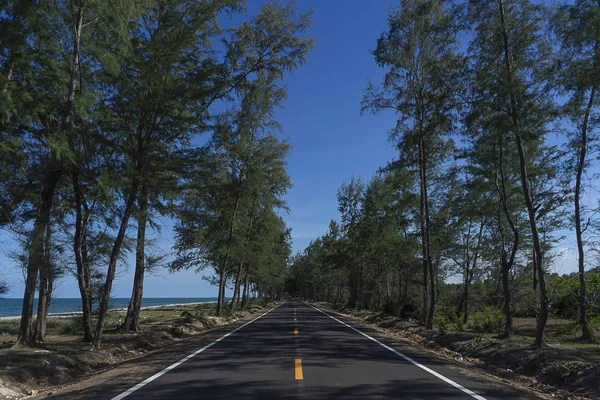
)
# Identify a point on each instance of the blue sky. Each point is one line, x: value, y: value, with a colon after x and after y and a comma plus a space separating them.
x: 321, y: 118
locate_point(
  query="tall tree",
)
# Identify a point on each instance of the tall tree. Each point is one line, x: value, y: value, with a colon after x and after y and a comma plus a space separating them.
x: 419, y: 54
x: 159, y: 99
x: 510, y: 47
x: 577, y: 27
x: 259, y: 53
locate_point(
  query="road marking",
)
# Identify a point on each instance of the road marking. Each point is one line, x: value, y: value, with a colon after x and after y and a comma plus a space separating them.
x: 296, y: 331
x: 299, y: 369
x: 407, y: 358
x: 186, y: 358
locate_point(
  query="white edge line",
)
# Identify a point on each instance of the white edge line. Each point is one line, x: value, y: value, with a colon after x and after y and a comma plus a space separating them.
x: 186, y: 358
x: 407, y: 358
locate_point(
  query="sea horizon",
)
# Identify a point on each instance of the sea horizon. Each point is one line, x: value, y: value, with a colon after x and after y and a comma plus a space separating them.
x: 11, y: 306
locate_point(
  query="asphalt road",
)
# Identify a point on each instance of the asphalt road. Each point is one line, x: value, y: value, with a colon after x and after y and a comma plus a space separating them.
x: 296, y: 351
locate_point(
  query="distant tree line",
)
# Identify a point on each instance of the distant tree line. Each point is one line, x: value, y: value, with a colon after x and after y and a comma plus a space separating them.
x: 480, y: 192
x: 102, y: 108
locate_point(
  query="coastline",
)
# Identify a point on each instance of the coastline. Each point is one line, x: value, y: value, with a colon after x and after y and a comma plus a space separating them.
x: 76, y: 313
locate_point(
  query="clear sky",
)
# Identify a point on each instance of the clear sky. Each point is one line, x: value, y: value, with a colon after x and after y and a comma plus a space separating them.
x: 331, y: 141
x: 321, y: 118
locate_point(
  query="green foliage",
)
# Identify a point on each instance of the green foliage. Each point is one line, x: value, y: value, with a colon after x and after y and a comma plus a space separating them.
x: 487, y: 320
x: 442, y: 323
x: 9, y: 327
x: 568, y: 329
x: 66, y: 326
x: 595, y: 322
x: 457, y: 322
x: 568, y: 369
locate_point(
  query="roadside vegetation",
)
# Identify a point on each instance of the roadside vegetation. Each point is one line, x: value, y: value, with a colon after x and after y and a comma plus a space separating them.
x: 460, y: 236
x: 117, y: 115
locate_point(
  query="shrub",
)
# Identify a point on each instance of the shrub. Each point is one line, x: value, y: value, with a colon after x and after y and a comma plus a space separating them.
x: 9, y: 327
x: 441, y: 322
x: 568, y: 329
x: 488, y: 320
x: 457, y: 321
x: 595, y: 322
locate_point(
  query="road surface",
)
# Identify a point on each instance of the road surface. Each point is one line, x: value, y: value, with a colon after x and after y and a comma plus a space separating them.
x: 296, y: 351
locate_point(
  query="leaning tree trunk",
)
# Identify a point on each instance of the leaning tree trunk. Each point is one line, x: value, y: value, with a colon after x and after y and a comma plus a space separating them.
x: 537, y: 246
x: 112, y: 264
x: 587, y: 332
x: 132, y: 319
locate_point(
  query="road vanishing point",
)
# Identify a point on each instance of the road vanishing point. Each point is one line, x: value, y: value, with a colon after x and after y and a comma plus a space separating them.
x: 297, y: 351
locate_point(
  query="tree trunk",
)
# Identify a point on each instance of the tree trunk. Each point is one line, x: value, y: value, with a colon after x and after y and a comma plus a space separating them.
x: 236, y: 290
x: 466, y: 301
x: 221, y: 294
x: 112, y: 264
x: 36, y: 254
x: 508, y: 323
x: 236, y: 286
x: 505, y: 263
x: 428, y: 273
x: 45, y: 289
x: 132, y: 319
x: 400, y: 300
x: 246, y: 288
x: 79, y: 246
x: 587, y: 332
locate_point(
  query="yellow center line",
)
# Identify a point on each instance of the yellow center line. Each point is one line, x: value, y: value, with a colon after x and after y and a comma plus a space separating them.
x: 296, y: 331
x: 299, y: 369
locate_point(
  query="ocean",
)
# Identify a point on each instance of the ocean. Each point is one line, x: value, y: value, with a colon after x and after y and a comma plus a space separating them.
x: 12, y: 307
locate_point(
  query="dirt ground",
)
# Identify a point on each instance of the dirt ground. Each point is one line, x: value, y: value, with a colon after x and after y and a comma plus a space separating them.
x: 566, y: 369
x: 66, y: 358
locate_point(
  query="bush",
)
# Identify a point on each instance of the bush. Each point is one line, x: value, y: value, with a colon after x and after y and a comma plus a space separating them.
x: 442, y: 323
x: 488, y: 320
x: 595, y: 322
x: 9, y: 327
x: 457, y: 321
